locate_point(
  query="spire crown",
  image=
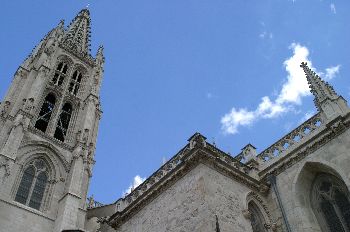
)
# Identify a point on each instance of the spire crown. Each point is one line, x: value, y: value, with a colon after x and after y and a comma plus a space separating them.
x: 318, y: 87
x: 78, y: 33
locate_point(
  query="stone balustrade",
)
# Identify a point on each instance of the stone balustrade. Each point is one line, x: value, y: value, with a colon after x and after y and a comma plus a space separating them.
x: 289, y: 141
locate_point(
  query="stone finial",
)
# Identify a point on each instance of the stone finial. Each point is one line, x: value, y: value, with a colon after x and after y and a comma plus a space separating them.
x: 100, y: 59
x: 197, y: 140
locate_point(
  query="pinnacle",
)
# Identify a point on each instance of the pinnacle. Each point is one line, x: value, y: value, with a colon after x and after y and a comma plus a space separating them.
x: 77, y: 36
x: 319, y: 88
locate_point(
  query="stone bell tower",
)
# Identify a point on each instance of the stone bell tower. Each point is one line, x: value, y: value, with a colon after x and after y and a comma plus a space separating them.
x: 48, y: 128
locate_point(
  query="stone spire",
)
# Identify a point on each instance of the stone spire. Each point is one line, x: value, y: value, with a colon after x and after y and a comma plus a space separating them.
x: 326, y: 99
x: 78, y: 33
x: 319, y: 88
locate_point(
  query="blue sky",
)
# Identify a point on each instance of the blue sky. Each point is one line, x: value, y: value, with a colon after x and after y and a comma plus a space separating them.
x: 228, y: 69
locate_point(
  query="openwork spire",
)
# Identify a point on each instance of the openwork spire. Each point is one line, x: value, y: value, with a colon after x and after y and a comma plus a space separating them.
x: 77, y: 36
x: 319, y: 88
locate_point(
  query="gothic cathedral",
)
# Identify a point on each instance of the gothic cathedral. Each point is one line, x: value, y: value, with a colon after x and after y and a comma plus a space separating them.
x: 48, y: 127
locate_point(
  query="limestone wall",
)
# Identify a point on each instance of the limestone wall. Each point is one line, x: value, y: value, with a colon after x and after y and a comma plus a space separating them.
x: 191, y: 205
x: 16, y: 217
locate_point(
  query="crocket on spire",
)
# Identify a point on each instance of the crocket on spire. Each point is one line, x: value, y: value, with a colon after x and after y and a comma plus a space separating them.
x: 78, y: 32
x: 319, y: 88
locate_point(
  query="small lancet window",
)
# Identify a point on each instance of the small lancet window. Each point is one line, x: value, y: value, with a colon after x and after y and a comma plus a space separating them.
x: 33, y: 184
x: 256, y: 219
x: 60, y: 74
x: 45, y: 113
x: 63, y: 122
x: 331, y: 203
x: 75, y: 82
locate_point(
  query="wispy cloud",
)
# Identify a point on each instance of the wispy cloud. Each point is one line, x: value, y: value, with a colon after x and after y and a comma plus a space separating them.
x: 265, y: 34
x: 136, y: 182
x: 331, y: 72
x: 290, y: 95
x: 306, y: 116
x: 333, y: 9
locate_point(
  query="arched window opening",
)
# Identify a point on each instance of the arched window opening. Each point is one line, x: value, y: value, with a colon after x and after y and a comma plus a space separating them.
x: 63, y: 122
x: 331, y: 203
x: 75, y: 82
x: 60, y: 74
x: 45, y: 113
x: 256, y: 218
x: 33, y: 184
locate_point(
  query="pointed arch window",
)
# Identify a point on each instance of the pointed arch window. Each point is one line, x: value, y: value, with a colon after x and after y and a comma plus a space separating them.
x: 331, y: 203
x: 74, y: 84
x: 60, y: 74
x: 256, y: 218
x: 45, y: 112
x: 33, y: 184
x: 63, y: 122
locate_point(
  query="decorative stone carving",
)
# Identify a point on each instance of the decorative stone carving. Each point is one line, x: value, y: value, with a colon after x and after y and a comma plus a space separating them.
x: 4, y: 163
x: 85, y: 136
x: 5, y: 107
x: 247, y: 214
x: 28, y: 105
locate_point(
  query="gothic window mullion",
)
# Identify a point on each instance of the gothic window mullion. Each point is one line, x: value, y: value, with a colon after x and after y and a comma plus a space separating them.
x: 331, y: 203
x: 340, y: 216
x: 32, y: 187
x: 60, y: 74
x: 55, y: 116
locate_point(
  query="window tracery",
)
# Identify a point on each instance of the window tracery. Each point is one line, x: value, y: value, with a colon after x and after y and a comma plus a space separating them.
x: 63, y: 122
x: 331, y: 203
x: 45, y: 112
x: 60, y: 74
x: 75, y: 82
x: 33, y: 184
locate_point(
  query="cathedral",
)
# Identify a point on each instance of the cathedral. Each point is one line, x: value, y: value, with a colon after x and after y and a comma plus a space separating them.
x: 49, y: 122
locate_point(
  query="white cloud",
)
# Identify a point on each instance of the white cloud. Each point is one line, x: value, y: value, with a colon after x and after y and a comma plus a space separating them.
x: 136, y: 182
x: 292, y: 91
x: 231, y: 121
x: 331, y: 72
x: 333, y: 9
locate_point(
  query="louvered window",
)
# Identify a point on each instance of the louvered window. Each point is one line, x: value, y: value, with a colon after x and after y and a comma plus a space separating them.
x: 74, y: 84
x: 33, y: 184
x: 45, y: 113
x: 331, y: 203
x: 60, y: 74
x: 63, y: 122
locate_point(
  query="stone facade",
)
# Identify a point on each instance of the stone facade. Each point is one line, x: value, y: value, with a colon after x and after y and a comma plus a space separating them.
x: 299, y: 183
x: 48, y: 127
